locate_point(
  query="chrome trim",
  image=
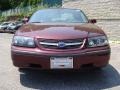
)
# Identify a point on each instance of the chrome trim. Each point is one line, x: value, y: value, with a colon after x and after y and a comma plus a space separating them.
x: 72, y: 44
x: 84, y: 41
x: 56, y: 44
x: 51, y: 44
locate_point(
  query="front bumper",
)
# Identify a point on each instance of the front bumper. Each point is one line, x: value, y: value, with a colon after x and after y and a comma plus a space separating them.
x: 98, y: 57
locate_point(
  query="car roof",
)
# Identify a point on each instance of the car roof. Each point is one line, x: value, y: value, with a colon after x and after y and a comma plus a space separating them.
x: 6, y: 22
x: 60, y: 9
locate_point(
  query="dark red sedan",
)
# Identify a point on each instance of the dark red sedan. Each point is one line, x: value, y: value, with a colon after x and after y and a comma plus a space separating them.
x: 60, y: 39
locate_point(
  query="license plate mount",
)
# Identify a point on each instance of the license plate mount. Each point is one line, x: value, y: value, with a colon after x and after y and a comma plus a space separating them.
x: 61, y: 62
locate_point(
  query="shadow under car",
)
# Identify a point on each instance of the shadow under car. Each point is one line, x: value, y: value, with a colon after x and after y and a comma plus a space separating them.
x: 88, y: 79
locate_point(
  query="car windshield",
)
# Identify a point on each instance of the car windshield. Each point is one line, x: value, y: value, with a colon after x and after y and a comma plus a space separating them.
x: 58, y: 16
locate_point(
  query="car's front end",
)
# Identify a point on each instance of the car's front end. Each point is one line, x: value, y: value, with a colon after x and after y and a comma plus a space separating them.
x: 2, y: 27
x: 55, y: 59
x: 60, y: 46
x: 11, y: 27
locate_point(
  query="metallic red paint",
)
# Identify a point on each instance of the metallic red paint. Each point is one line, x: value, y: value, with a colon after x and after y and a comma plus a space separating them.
x: 24, y: 57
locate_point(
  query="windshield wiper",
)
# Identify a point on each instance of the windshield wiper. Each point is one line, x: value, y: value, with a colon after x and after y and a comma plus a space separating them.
x: 35, y: 22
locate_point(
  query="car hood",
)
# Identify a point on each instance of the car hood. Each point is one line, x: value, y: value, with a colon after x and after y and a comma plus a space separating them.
x: 59, y: 31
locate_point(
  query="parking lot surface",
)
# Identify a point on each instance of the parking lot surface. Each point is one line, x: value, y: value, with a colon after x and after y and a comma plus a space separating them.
x: 12, y: 79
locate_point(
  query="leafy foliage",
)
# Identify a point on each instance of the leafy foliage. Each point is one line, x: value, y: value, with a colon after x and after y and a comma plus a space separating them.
x: 7, y: 4
x: 22, y: 14
x: 35, y: 4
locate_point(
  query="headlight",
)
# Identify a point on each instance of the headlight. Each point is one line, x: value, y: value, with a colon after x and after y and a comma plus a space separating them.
x: 23, y: 41
x: 97, y: 41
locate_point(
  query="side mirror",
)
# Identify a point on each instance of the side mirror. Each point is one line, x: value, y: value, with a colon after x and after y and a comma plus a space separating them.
x: 25, y: 20
x: 93, y: 21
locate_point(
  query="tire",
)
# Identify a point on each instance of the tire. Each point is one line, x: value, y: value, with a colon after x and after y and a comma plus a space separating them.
x: 23, y: 70
x: 100, y: 68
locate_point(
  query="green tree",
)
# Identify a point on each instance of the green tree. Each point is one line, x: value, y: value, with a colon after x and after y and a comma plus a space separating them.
x: 14, y: 3
x: 7, y: 4
x: 4, y: 4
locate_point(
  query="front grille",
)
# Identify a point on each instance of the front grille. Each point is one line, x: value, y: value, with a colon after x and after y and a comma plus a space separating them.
x: 61, y: 44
